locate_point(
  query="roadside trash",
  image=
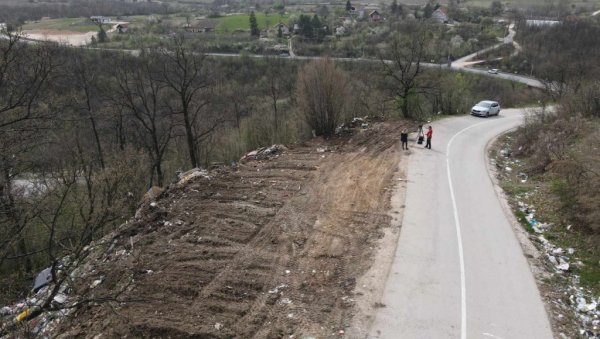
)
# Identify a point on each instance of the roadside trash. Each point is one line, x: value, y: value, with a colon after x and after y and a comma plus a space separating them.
x: 563, y: 267
x: 276, y: 289
x: 505, y: 152
x: 96, y: 283
x: 523, y: 177
x: 263, y: 153
x: 508, y: 169
x: 42, y: 279
x: 23, y: 315
x: 193, y: 173
x: 218, y: 326
x: 60, y: 298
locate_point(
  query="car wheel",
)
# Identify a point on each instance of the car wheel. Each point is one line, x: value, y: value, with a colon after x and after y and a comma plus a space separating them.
x: 487, y: 114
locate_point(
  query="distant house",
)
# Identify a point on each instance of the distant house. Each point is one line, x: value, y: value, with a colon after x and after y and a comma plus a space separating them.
x: 541, y: 23
x: 285, y: 30
x: 100, y: 19
x: 375, y: 16
x: 122, y: 27
x: 440, y: 15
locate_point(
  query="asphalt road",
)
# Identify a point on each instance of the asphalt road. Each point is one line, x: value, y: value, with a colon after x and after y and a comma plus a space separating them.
x: 459, y: 271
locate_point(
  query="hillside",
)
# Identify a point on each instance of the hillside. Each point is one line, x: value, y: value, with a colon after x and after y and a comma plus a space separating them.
x: 272, y: 248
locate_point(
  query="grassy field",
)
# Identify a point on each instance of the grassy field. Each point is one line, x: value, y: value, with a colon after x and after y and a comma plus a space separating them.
x: 242, y: 22
x: 68, y: 24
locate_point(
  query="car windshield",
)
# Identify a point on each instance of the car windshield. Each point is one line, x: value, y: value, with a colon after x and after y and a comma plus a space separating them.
x: 484, y: 104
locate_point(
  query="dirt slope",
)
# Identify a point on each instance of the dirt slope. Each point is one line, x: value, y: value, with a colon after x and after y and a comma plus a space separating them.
x: 271, y: 250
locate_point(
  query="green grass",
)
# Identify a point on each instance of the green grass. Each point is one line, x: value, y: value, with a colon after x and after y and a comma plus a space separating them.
x: 229, y: 24
x: 68, y: 24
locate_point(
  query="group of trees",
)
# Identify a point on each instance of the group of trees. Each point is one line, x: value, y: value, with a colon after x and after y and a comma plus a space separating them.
x: 313, y: 28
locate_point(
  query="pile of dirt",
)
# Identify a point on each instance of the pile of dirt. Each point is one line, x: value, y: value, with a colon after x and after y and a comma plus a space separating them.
x: 271, y: 249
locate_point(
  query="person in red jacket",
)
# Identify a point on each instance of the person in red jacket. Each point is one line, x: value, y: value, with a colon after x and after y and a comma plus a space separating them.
x: 428, y: 134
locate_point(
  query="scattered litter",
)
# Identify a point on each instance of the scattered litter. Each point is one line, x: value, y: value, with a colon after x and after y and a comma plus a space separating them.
x: 508, y: 169
x: 263, y: 153
x: 42, y: 279
x: 505, y: 152
x: 524, y: 177
x: 218, y: 326
x: 290, y: 315
x: 96, y: 282
x: 285, y: 301
x: 276, y: 289
x: 193, y: 173
x: 60, y: 298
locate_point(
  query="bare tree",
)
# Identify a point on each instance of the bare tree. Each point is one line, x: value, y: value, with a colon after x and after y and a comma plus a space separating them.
x: 322, y: 92
x: 142, y: 94
x: 404, y: 68
x: 184, y: 74
x: 279, y: 83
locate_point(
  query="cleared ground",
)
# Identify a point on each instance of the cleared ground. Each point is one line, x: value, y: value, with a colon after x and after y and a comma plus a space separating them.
x: 273, y: 249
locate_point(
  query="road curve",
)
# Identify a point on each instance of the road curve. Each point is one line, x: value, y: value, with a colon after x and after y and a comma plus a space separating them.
x: 459, y: 271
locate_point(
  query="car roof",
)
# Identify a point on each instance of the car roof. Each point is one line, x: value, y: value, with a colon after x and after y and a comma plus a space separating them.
x: 489, y: 101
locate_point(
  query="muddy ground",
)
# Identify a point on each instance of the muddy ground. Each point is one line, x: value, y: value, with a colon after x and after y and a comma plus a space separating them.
x: 273, y: 249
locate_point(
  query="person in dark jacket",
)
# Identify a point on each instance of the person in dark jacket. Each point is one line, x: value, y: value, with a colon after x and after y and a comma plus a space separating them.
x: 404, y: 139
x: 429, y: 134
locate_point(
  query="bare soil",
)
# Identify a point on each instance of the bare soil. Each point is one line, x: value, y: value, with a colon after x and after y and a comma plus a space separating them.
x: 273, y: 249
x: 61, y: 36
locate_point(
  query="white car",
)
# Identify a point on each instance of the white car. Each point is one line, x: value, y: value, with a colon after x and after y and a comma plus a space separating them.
x: 486, y: 108
x: 493, y: 71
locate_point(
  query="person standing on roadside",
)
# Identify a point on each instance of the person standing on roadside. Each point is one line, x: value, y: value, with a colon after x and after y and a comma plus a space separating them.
x: 404, y: 139
x: 429, y: 134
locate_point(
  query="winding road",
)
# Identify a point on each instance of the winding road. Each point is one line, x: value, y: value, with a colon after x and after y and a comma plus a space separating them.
x: 459, y: 270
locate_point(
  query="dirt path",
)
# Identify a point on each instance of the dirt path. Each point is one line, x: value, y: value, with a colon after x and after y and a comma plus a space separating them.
x: 273, y: 249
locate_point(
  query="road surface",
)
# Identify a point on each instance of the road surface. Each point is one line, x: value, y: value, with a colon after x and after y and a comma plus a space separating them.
x: 459, y: 271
